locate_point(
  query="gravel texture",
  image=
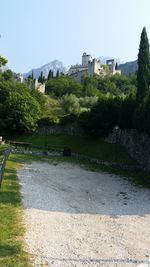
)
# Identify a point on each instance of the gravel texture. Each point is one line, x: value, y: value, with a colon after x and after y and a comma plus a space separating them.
x: 75, y: 217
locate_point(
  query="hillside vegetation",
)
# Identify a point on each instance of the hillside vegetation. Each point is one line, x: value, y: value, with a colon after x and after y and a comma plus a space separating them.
x: 96, y: 104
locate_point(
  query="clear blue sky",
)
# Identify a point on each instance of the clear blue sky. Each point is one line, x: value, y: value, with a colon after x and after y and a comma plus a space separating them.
x: 35, y: 32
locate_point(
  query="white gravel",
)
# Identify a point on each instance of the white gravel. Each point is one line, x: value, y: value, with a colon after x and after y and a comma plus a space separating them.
x: 74, y: 217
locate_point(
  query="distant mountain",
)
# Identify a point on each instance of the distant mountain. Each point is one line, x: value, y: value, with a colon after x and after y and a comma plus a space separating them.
x: 55, y: 65
x: 128, y: 67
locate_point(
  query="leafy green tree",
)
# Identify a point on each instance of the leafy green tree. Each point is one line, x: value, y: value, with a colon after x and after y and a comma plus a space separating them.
x: 70, y: 104
x: 3, y: 61
x: 8, y: 75
x: 19, y: 111
x: 88, y: 101
x: 40, y: 98
x: 102, y: 118
x: 143, y: 73
x: 128, y: 106
x: 63, y: 85
x: 142, y: 116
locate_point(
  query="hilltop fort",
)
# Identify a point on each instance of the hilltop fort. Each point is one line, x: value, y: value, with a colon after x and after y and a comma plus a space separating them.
x: 92, y: 66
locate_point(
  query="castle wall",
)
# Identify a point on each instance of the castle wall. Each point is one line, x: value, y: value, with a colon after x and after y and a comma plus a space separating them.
x: 41, y: 88
x: 91, y: 67
x: 78, y: 75
x: 76, y: 68
x: 85, y: 59
x: 94, y: 67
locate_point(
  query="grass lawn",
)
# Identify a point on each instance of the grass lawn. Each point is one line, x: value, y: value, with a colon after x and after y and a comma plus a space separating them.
x: 94, y: 148
x: 11, y: 228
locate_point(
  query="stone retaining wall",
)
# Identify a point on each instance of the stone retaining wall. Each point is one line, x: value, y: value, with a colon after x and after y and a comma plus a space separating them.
x: 137, y: 145
x: 70, y: 129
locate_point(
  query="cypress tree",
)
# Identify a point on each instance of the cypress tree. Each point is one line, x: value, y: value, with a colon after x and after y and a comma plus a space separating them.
x: 32, y: 76
x: 49, y: 75
x: 143, y: 73
x: 41, y: 78
x: 52, y: 74
x: 57, y: 74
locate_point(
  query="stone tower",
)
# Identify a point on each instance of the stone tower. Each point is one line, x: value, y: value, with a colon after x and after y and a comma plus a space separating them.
x: 85, y: 59
x: 111, y: 65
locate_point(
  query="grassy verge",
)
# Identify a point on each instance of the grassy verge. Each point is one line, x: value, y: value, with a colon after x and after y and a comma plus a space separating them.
x: 11, y: 227
x: 94, y: 148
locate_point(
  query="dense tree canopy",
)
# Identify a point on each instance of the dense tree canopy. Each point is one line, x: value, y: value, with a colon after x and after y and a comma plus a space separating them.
x: 19, y: 109
x: 63, y: 85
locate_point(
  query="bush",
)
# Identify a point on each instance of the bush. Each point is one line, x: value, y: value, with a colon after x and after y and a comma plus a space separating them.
x: 141, y: 119
x: 128, y: 107
x: 102, y: 118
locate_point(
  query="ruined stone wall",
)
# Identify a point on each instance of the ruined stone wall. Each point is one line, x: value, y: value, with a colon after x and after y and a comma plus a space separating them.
x: 137, y: 145
x: 70, y: 129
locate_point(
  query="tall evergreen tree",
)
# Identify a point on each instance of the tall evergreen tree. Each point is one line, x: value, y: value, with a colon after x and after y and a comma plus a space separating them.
x: 143, y: 73
x: 41, y: 78
x: 50, y: 75
x: 57, y: 74
x: 32, y: 75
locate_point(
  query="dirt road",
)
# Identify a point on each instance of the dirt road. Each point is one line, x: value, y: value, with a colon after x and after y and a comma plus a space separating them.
x: 74, y: 217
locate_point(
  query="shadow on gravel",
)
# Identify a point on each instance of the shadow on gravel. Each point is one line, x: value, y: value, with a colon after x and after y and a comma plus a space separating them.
x: 99, y: 261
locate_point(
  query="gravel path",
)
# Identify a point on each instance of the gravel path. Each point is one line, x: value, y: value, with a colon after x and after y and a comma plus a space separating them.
x: 74, y: 217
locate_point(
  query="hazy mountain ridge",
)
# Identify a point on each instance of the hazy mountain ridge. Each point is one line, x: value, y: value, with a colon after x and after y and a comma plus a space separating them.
x: 129, y: 67
x: 54, y: 65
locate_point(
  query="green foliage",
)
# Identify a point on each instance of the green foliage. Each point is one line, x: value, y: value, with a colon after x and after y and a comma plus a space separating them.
x: 88, y: 101
x: 12, y: 230
x: 102, y: 118
x: 40, y: 98
x: 106, y: 68
x: 19, y: 111
x: 92, y: 147
x: 48, y: 121
x: 3, y: 61
x: 128, y: 107
x: 57, y: 74
x: 142, y: 116
x: 117, y: 85
x: 143, y: 73
x: 8, y: 75
x: 70, y: 104
x: 63, y: 85
x: 50, y: 75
